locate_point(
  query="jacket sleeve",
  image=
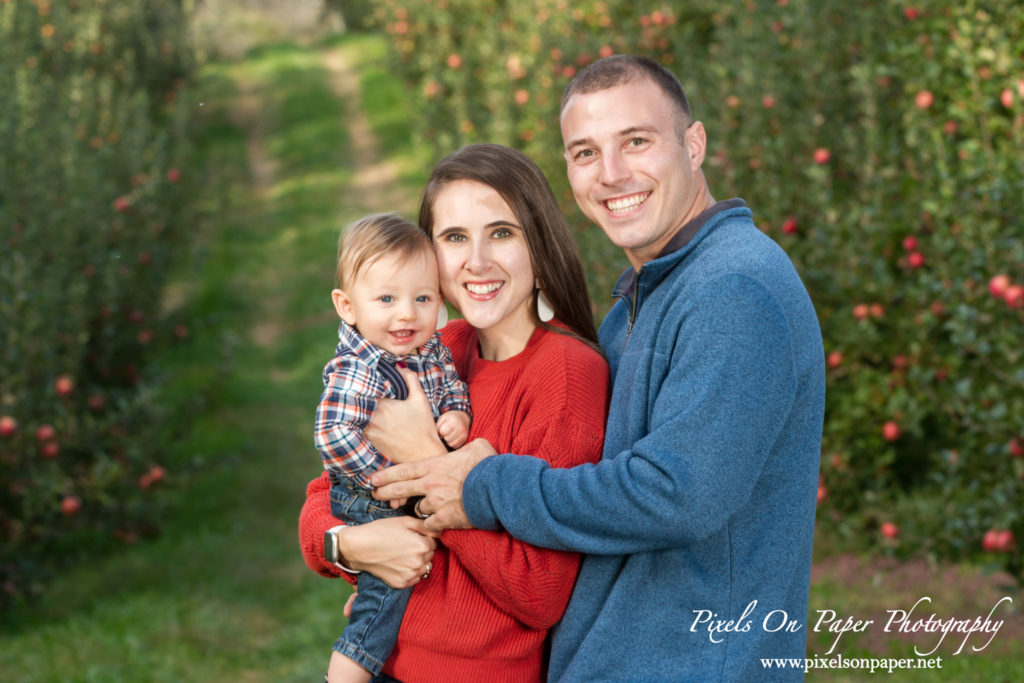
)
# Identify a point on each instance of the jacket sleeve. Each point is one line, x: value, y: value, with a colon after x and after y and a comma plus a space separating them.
x: 349, y: 399
x: 534, y: 584
x: 718, y: 409
x: 314, y: 520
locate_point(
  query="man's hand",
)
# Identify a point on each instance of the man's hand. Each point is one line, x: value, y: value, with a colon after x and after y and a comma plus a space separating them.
x: 439, y: 480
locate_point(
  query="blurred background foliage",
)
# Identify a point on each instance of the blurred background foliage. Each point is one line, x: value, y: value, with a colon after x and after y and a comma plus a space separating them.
x: 881, y: 144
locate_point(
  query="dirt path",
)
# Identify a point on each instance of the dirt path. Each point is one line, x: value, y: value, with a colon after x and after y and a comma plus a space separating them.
x: 376, y: 181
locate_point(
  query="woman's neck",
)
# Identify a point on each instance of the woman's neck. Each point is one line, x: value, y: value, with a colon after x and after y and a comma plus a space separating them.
x: 501, y: 343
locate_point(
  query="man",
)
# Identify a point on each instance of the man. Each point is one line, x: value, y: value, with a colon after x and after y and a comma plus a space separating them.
x: 697, y: 523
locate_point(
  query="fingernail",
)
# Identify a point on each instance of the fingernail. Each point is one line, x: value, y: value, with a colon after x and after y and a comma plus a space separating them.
x: 402, y: 364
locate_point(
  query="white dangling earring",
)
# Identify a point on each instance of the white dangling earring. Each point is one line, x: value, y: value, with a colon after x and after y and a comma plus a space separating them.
x: 544, y: 311
x: 442, y: 316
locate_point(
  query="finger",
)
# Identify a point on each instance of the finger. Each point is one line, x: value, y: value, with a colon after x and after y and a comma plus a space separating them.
x: 412, y: 382
x: 348, y: 605
x: 398, y: 472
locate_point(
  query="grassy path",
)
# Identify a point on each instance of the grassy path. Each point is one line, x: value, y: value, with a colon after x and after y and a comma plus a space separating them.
x: 223, y: 594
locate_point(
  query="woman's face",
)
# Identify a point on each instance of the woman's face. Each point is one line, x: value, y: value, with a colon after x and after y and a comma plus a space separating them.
x: 485, y: 266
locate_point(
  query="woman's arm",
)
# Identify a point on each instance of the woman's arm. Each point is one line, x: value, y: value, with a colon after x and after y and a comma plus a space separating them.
x: 395, y: 549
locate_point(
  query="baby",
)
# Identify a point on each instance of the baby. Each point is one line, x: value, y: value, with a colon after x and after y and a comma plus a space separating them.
x: 390, y: 307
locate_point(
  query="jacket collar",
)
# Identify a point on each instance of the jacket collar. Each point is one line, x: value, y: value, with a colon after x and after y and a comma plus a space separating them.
x: 627, y: 281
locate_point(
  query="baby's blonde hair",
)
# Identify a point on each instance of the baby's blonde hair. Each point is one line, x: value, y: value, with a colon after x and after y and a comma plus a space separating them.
x: 370, y: 237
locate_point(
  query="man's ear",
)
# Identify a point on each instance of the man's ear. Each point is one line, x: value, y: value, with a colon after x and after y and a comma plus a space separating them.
x: 343, y: 305
x: 696, y: 144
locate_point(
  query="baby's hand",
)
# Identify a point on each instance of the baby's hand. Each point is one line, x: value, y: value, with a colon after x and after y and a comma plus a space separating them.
x: 453, y: 427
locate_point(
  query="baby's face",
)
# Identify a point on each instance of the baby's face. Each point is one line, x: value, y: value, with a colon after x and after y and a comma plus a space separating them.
x: 394, y: 301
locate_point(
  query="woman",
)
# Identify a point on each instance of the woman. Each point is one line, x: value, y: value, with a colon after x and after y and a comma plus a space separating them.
x: 484, y: 601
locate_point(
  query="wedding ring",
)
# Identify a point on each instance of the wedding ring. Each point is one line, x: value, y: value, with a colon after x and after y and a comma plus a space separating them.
x: 426, y: 573
x: 420, y: 514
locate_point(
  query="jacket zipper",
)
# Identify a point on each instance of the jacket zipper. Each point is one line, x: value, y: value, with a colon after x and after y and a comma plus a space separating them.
x: 636, y: 302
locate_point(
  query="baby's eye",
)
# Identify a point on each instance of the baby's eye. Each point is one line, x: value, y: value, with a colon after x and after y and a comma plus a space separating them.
x: 387, y: 299
x: 424, y: 299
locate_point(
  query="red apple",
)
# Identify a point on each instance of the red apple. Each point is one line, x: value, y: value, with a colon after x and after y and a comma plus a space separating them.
x: 1014, y: 296
x: 822, y: 493
x: 1006, y: 97
x: 890, y: 530
x: 998, y: 285
x: 890, y: 431
x: 122, y: 204
x: 49, y: 450
x: 45, y: 433
x: 454, y: 61
x: 924, y: 99
x: 1016, y: 448
x: 173, y: 175
x: 822, y: 155
x: 835, y: 359
x: 64, y: 385
x: 861, y: 311
x: 877, y: 310
x: 915, y: 259
x: 97, y: 402
x: 911, y: 13
x: 910, y: 243
x: 790, y: 226
x: 71, y: 505
x: 990, y: 541
x: 768, y: 101
x: 8, y: 425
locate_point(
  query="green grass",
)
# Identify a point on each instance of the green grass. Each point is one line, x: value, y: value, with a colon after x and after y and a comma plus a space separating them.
x: 223, y: 594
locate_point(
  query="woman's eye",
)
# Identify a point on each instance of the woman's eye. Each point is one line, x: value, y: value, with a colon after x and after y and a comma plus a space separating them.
x: 455, y: 237
x: 501, y: 233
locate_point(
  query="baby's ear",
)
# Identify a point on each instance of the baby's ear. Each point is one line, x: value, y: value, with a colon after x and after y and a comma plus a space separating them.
x: 343, y: 305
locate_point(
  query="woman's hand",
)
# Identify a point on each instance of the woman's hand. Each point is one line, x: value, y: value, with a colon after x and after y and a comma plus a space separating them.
x: 397, y: 550
x: 404, y: 431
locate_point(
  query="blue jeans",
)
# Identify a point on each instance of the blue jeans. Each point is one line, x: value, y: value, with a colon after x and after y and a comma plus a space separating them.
x: 372, y: 629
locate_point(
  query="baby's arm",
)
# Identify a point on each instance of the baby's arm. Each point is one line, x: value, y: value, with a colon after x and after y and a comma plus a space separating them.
x: 453, y: 427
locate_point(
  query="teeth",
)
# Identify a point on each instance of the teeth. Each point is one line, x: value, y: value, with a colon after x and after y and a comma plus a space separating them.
x: 402, y: 334
x: 483, y: 289
x: 626, y: 203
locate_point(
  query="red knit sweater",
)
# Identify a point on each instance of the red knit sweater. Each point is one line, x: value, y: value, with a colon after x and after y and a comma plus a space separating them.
x: 485, y: 612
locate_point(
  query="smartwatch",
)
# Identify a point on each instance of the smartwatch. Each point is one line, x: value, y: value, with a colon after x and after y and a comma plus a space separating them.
x: 332, y: 551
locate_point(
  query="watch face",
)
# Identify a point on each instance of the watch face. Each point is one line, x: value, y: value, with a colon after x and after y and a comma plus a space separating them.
x: 330, y: 546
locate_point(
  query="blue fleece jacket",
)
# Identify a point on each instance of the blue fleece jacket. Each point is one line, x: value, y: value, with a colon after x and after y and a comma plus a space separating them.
x: 697, y: 523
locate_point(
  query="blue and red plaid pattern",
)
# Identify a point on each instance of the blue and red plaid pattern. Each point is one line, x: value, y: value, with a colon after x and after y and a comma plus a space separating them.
x: 352, y: 386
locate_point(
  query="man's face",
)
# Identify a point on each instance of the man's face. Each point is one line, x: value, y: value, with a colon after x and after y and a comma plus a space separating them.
x: 630, y: 172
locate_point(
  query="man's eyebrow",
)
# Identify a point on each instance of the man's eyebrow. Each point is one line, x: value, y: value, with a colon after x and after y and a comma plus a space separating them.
x: 624, y: 133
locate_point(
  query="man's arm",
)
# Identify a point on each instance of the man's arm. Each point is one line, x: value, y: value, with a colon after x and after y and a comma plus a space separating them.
x: 719, y: 410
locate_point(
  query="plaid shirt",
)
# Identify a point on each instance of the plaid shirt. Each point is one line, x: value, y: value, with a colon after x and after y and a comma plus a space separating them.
x: 353, y: 384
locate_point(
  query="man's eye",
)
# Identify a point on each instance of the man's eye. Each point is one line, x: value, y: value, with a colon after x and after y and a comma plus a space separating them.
x: 636, y: 142
x: 584, y: 154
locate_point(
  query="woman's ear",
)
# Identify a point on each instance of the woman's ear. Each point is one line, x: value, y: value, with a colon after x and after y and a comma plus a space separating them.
x: 343, y: 305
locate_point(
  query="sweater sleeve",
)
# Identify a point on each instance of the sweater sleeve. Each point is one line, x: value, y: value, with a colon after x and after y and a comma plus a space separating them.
x: 717, y: 412
x: 314, y: 520
x: 532, y: 584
